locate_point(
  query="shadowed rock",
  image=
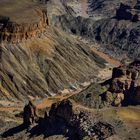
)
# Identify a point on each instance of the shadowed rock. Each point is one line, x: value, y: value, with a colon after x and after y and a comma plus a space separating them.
x: 30, y: 115
x: 125, y: 84
x: 61, y: 110
x: 126, y: 12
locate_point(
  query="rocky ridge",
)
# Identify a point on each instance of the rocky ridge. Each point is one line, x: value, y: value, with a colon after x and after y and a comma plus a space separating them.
x: 99, y: 9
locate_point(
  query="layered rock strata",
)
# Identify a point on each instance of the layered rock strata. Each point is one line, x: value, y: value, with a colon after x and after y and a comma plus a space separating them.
x: 13, y: 32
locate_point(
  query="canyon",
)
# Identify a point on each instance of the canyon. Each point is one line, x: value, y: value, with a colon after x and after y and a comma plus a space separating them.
x: 69, y: 69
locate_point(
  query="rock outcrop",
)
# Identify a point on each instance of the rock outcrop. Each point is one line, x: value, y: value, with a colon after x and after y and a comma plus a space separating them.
x: 124, y: 88
x: 91, y: 97
x: 121, y: 90
x: 30, y: 114
x: 13, y: 32
x: 76, y: 125
x: 106, y: 8
x: 62, y: 110
x: 103, y: 130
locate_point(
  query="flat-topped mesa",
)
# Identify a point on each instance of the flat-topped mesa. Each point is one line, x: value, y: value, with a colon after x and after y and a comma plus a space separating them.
x: 15, y: 32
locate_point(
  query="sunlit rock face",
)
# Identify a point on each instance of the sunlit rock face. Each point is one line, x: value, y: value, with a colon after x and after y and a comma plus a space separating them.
x: 16, y: 32
x: 16, y: 26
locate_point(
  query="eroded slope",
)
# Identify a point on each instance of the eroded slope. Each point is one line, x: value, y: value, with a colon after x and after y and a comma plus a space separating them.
x: 52, y: 62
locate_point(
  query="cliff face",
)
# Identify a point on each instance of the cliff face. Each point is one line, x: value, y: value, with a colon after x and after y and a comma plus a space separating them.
x: 14, y: 32
x: 125, y: 85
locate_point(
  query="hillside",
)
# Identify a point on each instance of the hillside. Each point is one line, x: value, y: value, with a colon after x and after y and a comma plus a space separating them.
x: 39, y: 60
x: 69, y: 69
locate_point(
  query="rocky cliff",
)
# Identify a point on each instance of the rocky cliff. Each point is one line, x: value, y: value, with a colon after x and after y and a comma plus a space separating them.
x: 125, y: 85
x: 67, y: 119
x: 99, y: 9
x: 13, y: 32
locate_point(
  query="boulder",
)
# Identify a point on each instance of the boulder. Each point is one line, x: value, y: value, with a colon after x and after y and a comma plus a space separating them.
x: 118, y: 85
x: 135, y: 75
x: 63, y: 110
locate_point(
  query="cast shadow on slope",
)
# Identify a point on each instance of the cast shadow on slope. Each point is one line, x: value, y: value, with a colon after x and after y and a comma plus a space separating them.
x: 62, y: 120
x: 15, y: 130
x: 57, y: 128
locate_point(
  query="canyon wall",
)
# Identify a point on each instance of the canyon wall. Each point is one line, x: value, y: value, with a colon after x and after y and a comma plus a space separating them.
x: 14, y: 32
